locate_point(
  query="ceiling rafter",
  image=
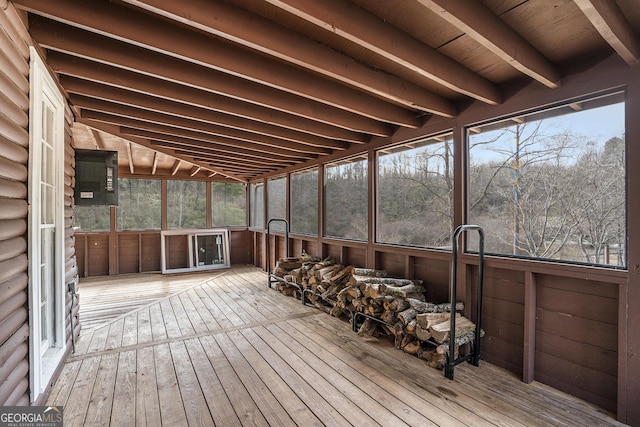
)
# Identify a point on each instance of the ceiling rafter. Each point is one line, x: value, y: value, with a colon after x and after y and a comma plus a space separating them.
x: 239, y: 26
x: 152, y: 109
x: 365, y: 29
x: 114, y: 130
x: 74, y: 66
x: 610, y: 22
x: 130, y: 155
x: 95, y: 135
x: 234, y: 139
x: 194, y: 104
x: 155, y: 163
x: 239, y: 153
x: 145, y: 31
x: 176, y: 166
x: 481, y: 24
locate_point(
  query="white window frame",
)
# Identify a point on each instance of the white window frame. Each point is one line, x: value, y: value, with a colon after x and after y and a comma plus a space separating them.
x: 42, y: 363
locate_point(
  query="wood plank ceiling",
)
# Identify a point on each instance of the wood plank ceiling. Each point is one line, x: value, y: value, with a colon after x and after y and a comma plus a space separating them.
x: 243, y: 88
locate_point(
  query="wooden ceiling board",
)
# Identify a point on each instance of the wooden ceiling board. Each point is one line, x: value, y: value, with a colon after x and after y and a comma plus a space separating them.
x: 543, y: 23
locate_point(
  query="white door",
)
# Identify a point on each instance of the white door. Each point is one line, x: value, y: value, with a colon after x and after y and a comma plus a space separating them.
x: 46, y: 227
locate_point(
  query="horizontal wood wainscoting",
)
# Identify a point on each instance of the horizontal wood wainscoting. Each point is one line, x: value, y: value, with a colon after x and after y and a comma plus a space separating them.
x: 124, y: 252
x: 553, y: 323
x: 230, y: 351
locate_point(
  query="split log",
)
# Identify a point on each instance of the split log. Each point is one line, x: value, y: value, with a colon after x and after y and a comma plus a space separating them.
x: 441, y: 331
x: 407, y: 316
x: 460, y: 340
x: 412, y: 347
x: 422, y: 334
x: 427, y: 307
x: 368, y: 272
x: 426, y: 320
x: 401, y: 291
x: 368, y: 328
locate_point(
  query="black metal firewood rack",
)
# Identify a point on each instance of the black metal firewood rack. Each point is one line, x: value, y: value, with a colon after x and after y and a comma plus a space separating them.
x: 473, y: 356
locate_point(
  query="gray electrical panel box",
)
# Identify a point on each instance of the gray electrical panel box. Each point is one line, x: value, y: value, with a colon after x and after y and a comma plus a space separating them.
x: 96, y: 178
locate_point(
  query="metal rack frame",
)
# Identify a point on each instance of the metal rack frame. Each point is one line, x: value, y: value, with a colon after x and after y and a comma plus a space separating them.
x: 474, y: 356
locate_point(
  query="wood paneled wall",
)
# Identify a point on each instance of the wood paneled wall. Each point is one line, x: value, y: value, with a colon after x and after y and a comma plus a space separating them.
x: 139, y: 251
x: 14, y: 159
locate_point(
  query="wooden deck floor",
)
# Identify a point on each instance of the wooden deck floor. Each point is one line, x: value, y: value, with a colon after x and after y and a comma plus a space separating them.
x: 230, y: 351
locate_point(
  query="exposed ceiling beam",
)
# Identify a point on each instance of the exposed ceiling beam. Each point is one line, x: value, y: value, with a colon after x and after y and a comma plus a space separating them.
x: 194, y: 171
x: 196, y: 107
x: 232, y: 138
x: 363, y: 28
x: 142, y: 30
x: 155, y: 163
x: 73, y: 66
x: 176, y: 166
x: 131, y: 167
x: 239, y: 26
x: 482, y: 25
x: 240, y: 154
x: 610, y: 22
x: 95, y: 135
x: 115, y: 130
x: 154, y: 108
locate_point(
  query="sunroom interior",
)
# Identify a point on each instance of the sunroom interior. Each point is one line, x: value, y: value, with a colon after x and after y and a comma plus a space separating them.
x: 374, y: 129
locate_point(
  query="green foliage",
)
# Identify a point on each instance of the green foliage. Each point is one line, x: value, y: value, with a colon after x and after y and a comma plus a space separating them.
x: 139, y: 204
x: 228, y: 204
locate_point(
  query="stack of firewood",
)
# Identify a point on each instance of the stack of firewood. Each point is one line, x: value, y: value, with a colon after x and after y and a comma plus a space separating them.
x: 402, y: 312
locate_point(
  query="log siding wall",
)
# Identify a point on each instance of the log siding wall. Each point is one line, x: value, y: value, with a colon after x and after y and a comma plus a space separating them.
x: 14, y: 159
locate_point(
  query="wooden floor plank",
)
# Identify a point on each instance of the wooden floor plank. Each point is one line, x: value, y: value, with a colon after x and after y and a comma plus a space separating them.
x: 182, y: 318
x: 172, y: 411
x: 244, y: 406
x: 114, y: 336
x: 295, y: 407
x: 327, y: 414
x: 158, y: 329
x: 124, y: 394
x: 170, y: 320
x: 358, y: 395
x: 261, y: 394
x: 63, y: 386
x: 414, y: 374
x: 144, y: 334
x: 382, y: 389
x: 224, y: 348
x: 130, y: 329
x: 81, y: 392
x: 213, y: 308
x: 197, y: 323
x: 98, y: 339
x: 354, y: 414
x: 195, y: 405
x: 214, y: 293
x: 99, y: 409
x: 210, y: 322
x: 221, y: 409
x: 147, y: 404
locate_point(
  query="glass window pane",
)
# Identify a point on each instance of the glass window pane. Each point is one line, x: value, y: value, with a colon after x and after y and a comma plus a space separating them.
x: 346, y: 199
x: 553, y: 187
x: 277, y: 201
x: 228, y: 204
x: 92, y: 218
x: 139, y: 204
x: 304, y: 202
x: 415, y: 193
x: 256, y: 199
x: 186, y: 204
